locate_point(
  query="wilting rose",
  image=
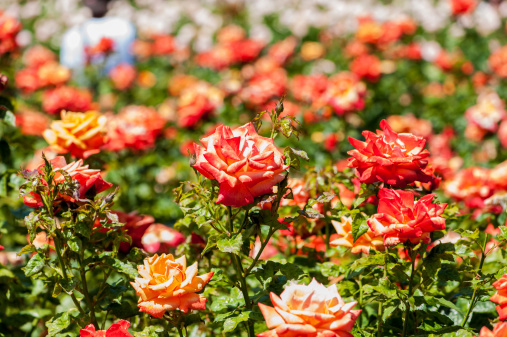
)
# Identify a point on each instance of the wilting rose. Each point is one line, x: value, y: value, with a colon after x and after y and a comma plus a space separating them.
x: 363, y: 244
x: 399, y: 218
x: 118, y: 329
x: 499, y: 330
x: 123, y: 76
x: 395, y: 159
x: 66, y: 98
x: 245, y: 164
x: 81, y: 134
x: 500, y: 297
x: 309, y: 310
x: 90, y: 180
x: 167, y: 284
x: 159, y: 238
x: 135, y: 127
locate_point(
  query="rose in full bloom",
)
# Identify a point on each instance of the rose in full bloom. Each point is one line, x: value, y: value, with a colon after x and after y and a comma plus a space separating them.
x: 345, y: 93
x: 264, y: 86
x: 488, y: 112
x: 197, y: 101
x: 309, y: 310
x: 363, y: 244
x: 395, y: 159
x: 308, y: 88
x: 500, y: 297
x: 471, y: 185
x: 498, y: 61
x: 135, y: 127
x: 118, y: 329
x: 9, y: 28
x: 81, y: 134
x: 499, y: 330
x: 167, y: 284
x: 366, y: 66
x: 123, y: 76
x: 245, y: 164
x: 410, y: 124
x: 399, y: 218
x: 31, y: 122
x: 90, y: 180
x: 62, y: 98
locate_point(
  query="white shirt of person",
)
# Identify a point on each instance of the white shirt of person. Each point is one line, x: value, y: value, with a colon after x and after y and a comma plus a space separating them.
x: 88, y: 34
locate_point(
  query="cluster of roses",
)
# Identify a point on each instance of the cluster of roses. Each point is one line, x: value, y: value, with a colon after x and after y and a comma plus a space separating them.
x: 41, y: 70
x: 247, y: 166
x: 397, y: 160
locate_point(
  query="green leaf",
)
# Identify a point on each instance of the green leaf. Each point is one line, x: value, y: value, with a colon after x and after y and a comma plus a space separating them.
x: 35, y: 265
x: 326, y: 197
x: 300, y: 153
x: 441, y: 301
x: 27, y: 249
x: 359, y: 227
x: 60, y: 322
x: 366, y: 261
x: 150, y: 331
x: 230, y: 245
x: 75, y: 244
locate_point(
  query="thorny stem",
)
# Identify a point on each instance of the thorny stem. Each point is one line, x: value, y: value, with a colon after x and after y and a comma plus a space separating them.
x: 239, y: 271
x: 479, y: 273
x: 412, y: 260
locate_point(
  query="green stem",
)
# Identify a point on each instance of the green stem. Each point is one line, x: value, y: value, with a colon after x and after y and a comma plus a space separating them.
x: 479, y: 272
x: 242, y: 280
x: 64, y: 272
x: 259, y: 253
x: 91, y: 304
x: 405, y: 321
x: 381, y: 306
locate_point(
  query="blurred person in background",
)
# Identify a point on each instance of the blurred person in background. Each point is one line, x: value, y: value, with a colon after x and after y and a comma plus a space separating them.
x: 99, y: 40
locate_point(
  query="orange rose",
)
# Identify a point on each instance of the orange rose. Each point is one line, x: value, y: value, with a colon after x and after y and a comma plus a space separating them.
x: 245, y: 164
x: 395, y: 159
x: 500, y: 297
x: 363, y: 244
x: 498, y: 61
x: 366, y: 66
x: 400, y: 218
x: 167, y: 284
x: 345, y: 93
x: 488, y: 111
x: 81, y: 134
x: 309, y: 310
x: 123, y: 76
x: 499, y: 330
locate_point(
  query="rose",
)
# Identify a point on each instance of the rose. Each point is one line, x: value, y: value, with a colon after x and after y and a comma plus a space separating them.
x: 399, y: 218
x: 395, y: 159
x: 90, y: 181
x: 309, y: 310
x: 500, y: 297
x: 499, y: 330
x: 363, y: 244
x: 123, y: 76
x: 66, y: 98
x: 118, y: 329
x: 81, y: 134
x: 245, y: 164
x: 167, y: 284
x: 159, y: 238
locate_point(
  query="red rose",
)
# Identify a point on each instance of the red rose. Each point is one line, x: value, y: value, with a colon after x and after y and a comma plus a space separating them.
x: 500, y: 297
x: 123, y: 76
x: 499, y: 330
x: 118, y: 329
x: 395, y: 159
x: 399, y: 218
x: 245, y: 164
x: 89, y: 180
